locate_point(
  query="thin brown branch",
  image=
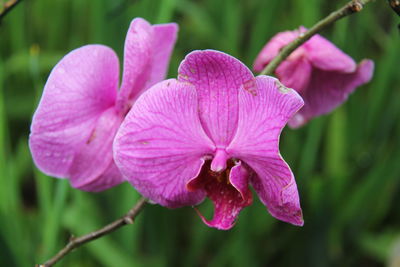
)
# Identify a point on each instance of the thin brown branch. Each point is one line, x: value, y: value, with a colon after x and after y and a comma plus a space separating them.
x: 348, y: 9
x: 395, y: 5
x: 75, y: 242
x: 7, y: 7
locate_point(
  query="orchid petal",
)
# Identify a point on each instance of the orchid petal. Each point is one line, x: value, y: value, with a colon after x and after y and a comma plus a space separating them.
x: 137, y: 61
x: 109, y: 178
x: 320, y: 52
x: 326, y: 56
x: 163, y: 44
x: 160, y: 145
x: 272, y: 49
x: 217, y: 78
x: 263, y: 114
x: 95, y: 156
x: 276, y: 187
x: 327, y: 90
x: 239, y: 179
x: 295, y: 73
x: 79, y: 89
x: 146, y: 56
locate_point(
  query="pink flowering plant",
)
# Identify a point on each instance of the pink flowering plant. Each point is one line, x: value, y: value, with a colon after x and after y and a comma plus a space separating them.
x: 81, y: 108
x: 213, y: 132
x: 320, y: 72
x: 215, y: 111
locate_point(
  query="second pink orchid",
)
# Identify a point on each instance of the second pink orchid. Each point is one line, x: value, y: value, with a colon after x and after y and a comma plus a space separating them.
x: 322, y: 74
x: 81, y: 108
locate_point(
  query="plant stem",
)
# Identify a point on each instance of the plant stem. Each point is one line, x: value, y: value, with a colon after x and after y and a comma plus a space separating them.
x: 7, y: 7
x: 395, y: 5
x: 348, y: 9
x: 75, y: 242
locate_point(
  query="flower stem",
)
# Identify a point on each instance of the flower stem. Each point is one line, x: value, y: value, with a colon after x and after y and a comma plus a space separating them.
x: 7, y: 7
x: 351, y: 7
x: 395, y: 5
x: 75, y: 242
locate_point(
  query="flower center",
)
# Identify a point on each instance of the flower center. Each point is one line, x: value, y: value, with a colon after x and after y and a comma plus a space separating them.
x: 227, y: 189
x: 208, y: 178
x: 222, y: 176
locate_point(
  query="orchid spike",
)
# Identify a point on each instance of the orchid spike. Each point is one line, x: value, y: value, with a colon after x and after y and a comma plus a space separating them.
x: 212, y: 132
x: 320, y: 72
x: 81, y: 109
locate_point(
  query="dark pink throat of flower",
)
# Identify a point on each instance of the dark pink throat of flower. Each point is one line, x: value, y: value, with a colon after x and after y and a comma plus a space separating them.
x: 228, y: 190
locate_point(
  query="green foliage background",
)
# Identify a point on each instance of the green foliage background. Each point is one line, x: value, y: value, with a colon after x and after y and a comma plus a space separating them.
x: 347, y: 164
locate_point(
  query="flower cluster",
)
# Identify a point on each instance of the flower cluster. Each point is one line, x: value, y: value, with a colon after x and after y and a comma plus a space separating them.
x: 211, y: 132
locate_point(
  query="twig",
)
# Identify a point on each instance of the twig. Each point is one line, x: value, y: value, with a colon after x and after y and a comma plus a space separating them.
x: 75, y: 242
x: 395, y: 5
x: 7, y: 7
x: 348, y: 9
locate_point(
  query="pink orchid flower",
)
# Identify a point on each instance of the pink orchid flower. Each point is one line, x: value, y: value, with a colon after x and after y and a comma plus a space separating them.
x: 211, y: 132
x: 81, y: 108
x: 320, y: 72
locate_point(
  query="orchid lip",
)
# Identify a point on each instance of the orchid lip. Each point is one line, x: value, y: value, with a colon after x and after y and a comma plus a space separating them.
x: 228, y: 190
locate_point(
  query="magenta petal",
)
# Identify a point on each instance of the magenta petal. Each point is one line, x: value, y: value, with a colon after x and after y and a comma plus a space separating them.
x: 239, y: 180
x: 272, y: 48
x: 95, y: 156
x: 229, y: 192
x: 276, y: 188
x: 295, y: 73
x: 163, y: 43
x: 326, y: 56
x: 109, y: 178
x: 217, y: 78
x: 328, y: 89
x: 79, y: 89
x: 146, y: 56
x: 161, y: 144
x: 262, y: 116
x: 137, y: 61
x: 320, y: 52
